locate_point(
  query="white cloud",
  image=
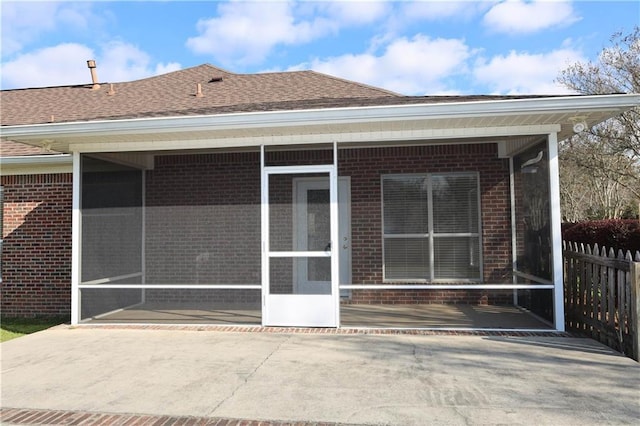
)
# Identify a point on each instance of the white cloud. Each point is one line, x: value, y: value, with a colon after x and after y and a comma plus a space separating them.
x: 167, y: 68
x: 246, y: 32
x: 24, y: 22
x: 419, y: 65
x: 518, y: 16
x: 354, y: 12
x: 52, y: 66
x: 65, y: 64
x: 438, y: 10
x: 525, y: 73
x: 124, y: 62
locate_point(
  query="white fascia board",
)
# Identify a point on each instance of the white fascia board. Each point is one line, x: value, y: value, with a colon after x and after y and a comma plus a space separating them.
x: 316, y: 138
x: 35, y: 164
x: 571, y: 104
x: 36, y: 159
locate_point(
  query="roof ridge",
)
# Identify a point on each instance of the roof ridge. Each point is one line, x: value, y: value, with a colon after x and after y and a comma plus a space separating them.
x: 180, y: 71
x: 368, y: 86
x: 344, y: 80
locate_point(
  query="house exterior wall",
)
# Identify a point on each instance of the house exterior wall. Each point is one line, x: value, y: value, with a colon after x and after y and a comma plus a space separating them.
x: 223, y: 191
x: 202, y: 221
x: 36, y: 249
x: 366, y: 168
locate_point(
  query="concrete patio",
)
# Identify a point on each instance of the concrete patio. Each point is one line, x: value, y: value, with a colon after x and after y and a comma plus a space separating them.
x: 271, y: 375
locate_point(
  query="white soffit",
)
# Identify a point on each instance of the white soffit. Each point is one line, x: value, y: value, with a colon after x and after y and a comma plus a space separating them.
x: 500, y: 118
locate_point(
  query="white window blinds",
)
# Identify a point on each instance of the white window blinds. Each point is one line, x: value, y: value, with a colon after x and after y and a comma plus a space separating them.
x: 431, y: 227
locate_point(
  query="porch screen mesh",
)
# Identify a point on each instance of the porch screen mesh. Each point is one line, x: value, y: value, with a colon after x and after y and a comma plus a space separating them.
x: 171, y: 306
x: 533, y: 227
x: 190, y: 221
x: 111, y: 222
x: 533, y: 230
x: 203, y: 220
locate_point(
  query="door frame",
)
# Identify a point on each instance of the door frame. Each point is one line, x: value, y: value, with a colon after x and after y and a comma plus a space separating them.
x: 300, y: 310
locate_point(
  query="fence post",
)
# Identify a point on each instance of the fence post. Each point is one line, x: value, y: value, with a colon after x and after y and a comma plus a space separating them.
x: 634, y: 281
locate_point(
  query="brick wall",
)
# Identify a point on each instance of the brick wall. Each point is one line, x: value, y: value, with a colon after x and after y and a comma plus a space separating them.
x: 36, y: 252
x: 366, y: 167
x: 209, y: 177
x: 203, y: 224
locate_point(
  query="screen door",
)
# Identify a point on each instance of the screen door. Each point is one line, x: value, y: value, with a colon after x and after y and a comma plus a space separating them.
x: 300, y: 259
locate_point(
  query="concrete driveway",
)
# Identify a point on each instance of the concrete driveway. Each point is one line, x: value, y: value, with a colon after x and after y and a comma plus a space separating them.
x: 342, y: 378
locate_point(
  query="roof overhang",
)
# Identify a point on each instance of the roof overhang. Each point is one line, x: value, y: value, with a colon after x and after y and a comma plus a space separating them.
x: 502, y: 120
x: 36, y: 164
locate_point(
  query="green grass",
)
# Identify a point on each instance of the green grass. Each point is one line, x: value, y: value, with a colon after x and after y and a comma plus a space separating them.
x: 10, y: 328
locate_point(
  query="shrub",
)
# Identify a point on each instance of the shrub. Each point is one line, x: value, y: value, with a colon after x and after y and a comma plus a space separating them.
x: 618, y: 234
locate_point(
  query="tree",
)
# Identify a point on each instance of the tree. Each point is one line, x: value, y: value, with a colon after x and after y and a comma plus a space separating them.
x: 601, y: 167
x: 591, y: 192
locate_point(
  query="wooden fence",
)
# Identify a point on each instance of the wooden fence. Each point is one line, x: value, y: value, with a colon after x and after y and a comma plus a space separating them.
x: 602, y: 295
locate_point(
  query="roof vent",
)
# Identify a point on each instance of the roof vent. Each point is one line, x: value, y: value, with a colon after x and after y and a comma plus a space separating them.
x: 199, y: 91
x: 215, y: 79
x: 111, y: 91
x: 94, y: 75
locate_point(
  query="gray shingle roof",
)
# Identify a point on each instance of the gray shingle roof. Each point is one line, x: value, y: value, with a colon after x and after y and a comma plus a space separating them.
x: 174, y: 94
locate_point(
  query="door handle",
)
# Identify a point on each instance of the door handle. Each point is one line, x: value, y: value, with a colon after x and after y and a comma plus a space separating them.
x: 328, y: 247
x: 344, y: 246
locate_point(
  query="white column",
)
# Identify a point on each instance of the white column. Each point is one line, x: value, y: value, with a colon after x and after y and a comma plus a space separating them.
x: 556, y: 232
x: 264, y: 230
x: 335, y: 234
x: 76, y: 240
x: 514, y: 241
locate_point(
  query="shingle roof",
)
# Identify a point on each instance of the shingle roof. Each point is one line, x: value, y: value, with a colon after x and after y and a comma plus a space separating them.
x: 174, y: 94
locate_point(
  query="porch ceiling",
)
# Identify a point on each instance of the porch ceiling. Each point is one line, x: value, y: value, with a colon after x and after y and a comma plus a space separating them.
x: 509, y: 121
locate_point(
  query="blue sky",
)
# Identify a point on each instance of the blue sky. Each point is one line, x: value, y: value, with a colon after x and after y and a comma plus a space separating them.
x: 414, y: 48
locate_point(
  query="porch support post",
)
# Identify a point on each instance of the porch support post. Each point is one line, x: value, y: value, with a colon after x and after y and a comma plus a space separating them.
x: 75, y: 240
x: 264, y: 230
x: 514, y: 242
x: 336, y: 244
x: 556, y: 233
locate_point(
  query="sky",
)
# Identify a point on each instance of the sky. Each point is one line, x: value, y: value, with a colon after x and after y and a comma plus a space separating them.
x: 413, y: 48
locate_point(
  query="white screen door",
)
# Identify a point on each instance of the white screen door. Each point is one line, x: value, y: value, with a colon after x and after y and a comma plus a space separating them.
x: 288, y: 301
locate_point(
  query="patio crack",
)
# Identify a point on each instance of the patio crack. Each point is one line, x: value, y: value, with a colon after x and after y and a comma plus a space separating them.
x: 250, y: 375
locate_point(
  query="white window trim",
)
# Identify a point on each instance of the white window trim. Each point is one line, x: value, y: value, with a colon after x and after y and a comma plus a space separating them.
x: 431, y: 235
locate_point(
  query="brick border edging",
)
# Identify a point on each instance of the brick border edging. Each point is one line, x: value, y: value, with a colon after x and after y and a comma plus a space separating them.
x: 23, y: 416
x: 330, y: 331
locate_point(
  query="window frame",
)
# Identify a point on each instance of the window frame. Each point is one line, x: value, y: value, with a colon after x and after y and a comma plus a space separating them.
x: 431, y: 235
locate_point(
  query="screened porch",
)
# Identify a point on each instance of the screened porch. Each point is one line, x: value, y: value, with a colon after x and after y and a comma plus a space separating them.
x: 451, y: 236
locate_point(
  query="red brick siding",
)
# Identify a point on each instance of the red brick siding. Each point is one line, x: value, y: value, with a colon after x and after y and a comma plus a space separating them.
x: 366, y: 168
x: 219, y: 214
x: 36, y: 252
x: 201, y: 174
x: 203, y: 225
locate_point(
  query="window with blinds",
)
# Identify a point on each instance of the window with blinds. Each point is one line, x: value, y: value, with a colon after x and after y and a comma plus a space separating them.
x: 431, y: 227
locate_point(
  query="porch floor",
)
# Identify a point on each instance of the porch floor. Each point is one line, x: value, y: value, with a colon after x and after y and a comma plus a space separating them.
x: 352, y: 315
